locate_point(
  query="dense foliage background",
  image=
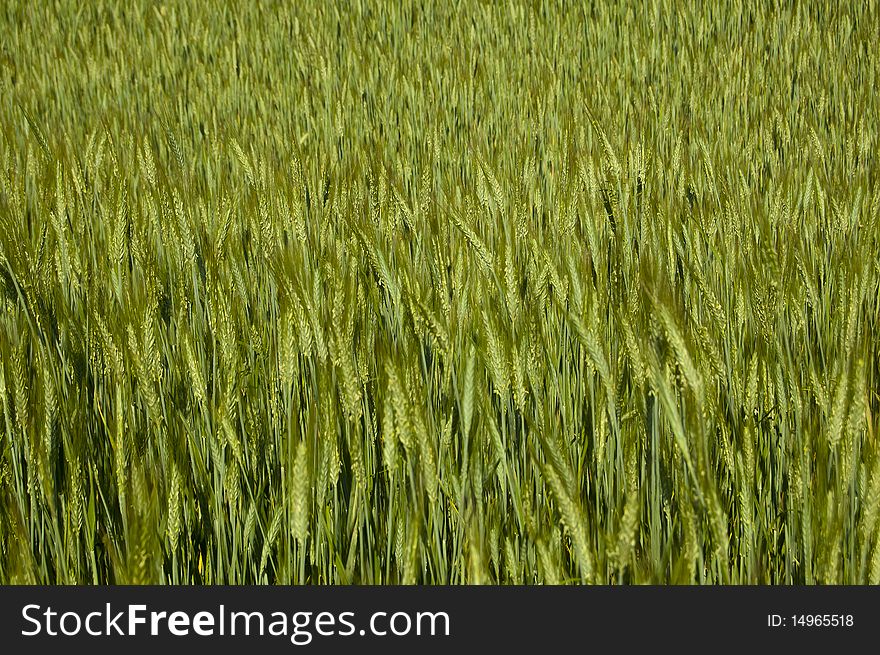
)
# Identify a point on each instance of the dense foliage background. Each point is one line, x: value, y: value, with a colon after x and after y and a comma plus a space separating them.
x: 441, y: 292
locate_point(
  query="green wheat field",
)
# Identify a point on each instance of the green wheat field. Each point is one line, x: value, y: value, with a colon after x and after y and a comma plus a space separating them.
x: 446, y: 292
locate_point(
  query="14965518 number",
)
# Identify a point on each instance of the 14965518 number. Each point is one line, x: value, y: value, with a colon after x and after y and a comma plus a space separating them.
x: 822, y: 620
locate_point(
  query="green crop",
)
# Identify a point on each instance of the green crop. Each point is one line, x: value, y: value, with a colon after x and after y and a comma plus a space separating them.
x: 439, y: 292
